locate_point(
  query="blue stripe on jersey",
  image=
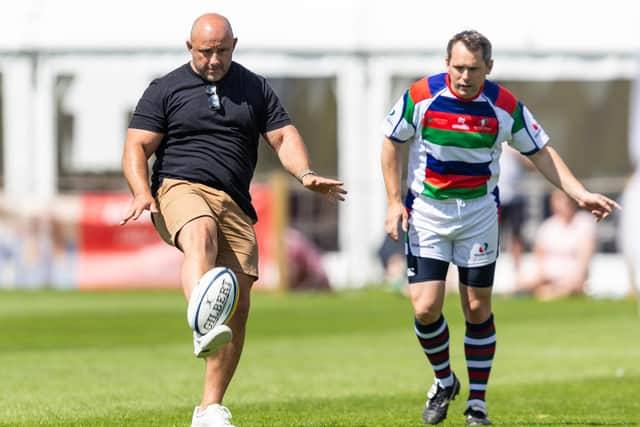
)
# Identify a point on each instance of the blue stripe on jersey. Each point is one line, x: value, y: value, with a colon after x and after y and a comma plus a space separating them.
x: 491, y: 90
x: 468, y: 108
x: 437, y: 83
x: 408, y: 201
x: 399, y: 141
x: 457, y: 168
x: 534, y: 151
x: 496, y: 196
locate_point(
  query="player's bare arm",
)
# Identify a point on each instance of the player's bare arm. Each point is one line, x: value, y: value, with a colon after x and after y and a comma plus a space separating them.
x: 391, y: 161
x: 289, y: 146
x: 550, y: 164
x: 139, y: 146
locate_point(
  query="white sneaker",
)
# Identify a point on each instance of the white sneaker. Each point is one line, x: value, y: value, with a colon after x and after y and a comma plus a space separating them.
x: 207, y: 344
x: 214, y: 416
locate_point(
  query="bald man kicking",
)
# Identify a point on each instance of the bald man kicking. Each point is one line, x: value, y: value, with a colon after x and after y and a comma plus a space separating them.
x: 203, y: 121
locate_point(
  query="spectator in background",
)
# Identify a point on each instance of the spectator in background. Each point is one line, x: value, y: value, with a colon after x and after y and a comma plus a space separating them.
x: 629, y: 230
x: 64, y: 252
x: 563, y: 248
x: 8, y: 243
x: 306, y: 271
x: 33, y: 249
x: 512, y: 203
x: 392, y: 257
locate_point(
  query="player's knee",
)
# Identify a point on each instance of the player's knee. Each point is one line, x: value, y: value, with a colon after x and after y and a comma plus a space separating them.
x: 198, y: 241
x: 427, y: 315
x: 478, y: 311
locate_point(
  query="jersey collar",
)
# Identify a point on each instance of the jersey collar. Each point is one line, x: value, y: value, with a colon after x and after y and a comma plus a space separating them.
x: 458, y: 96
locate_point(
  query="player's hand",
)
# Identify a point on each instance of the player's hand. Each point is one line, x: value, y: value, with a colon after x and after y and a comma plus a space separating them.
x: 396, y: 214
x: 138, y: 205
x: 330, y: 187
x: 600, y: 206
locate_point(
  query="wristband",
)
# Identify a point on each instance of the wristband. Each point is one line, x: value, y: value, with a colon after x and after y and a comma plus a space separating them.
x: 305, y: 173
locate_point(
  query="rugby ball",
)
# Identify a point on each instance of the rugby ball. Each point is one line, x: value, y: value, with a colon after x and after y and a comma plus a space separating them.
x: 213, y: 300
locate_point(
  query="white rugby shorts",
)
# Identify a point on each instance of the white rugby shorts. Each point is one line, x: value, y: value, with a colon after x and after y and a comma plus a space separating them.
x: 463, y: 232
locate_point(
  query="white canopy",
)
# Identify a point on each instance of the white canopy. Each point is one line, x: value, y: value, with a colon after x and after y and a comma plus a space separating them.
x: 113, y: 48
x: 544, y: 26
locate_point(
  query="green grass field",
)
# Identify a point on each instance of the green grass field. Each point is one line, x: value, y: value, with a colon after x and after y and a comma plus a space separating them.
x: 347, y: 359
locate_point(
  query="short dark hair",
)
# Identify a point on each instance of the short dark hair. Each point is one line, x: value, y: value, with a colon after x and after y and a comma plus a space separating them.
x: 474, y: 41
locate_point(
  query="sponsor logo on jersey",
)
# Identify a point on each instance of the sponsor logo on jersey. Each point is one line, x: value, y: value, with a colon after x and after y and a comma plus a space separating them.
x: 418, y: 246
x: 461, y: 124
x: 536, y: 129
x: 481, y: 250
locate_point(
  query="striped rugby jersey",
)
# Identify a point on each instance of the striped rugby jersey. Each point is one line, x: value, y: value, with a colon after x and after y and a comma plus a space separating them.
x: 456, y: 143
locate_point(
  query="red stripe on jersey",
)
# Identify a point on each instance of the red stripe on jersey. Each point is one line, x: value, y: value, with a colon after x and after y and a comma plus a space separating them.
x: 506, y: 100
x: 420, y: 91
x: 455, y: 181
x: 460, y: 122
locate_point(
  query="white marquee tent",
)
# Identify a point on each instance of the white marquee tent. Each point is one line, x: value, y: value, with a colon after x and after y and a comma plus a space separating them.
x: 115, y: 47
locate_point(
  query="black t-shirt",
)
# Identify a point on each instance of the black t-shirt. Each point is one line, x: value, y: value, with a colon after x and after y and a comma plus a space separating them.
x: 215, y: 148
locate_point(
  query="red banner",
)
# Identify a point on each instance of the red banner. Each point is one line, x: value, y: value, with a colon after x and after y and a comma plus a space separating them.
x: 134, y: 256
x: 114, y: 256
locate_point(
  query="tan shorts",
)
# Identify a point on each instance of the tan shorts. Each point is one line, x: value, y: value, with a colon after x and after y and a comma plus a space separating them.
x: 181, y: 201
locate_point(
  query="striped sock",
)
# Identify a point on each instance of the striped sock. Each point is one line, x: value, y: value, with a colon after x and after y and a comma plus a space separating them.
x: 479, y: 348
x: 434, y: 339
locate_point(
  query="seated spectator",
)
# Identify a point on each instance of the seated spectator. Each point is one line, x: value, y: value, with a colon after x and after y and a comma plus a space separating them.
x: 629, y: 229
x: 513, y: 204
x: 304, y: 263
x: 393, y: 259
x: 562, y: 251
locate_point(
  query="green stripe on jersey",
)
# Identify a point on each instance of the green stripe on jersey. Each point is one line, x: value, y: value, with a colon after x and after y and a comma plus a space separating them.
x: 518, y: 119
x: 458, y: 139
x: 453, y: 193
x: 409, y: 108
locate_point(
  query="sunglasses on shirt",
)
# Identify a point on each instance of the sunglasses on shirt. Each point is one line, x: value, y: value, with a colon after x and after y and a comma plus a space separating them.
x: 214, y: 99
